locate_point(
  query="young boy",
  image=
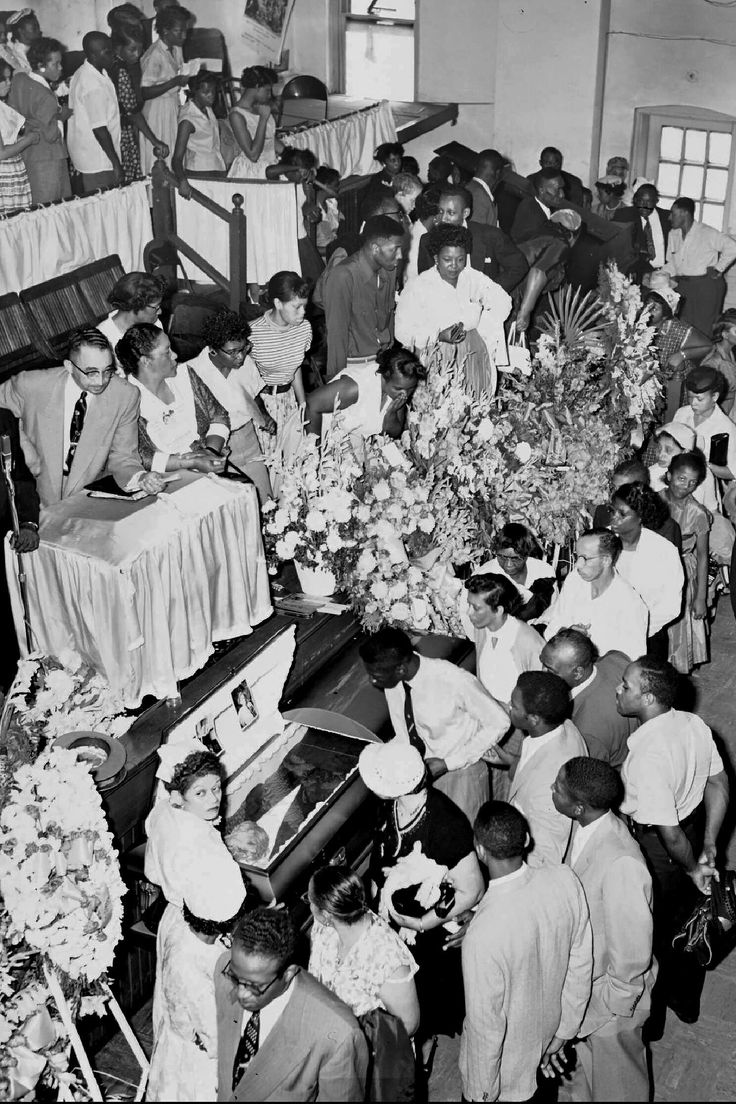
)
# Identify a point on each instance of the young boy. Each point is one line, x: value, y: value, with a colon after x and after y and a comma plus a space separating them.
x: 704, y: 415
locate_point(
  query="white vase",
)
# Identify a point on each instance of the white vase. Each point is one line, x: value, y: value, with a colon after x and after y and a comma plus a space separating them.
x: 315, y: 581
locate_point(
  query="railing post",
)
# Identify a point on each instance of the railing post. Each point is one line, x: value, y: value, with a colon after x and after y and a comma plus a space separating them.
x: 238, y: 259
x: 164, y: 223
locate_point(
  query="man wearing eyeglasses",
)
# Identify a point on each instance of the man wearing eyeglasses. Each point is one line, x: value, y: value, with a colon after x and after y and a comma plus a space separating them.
x: 79, y: 421
x: 651, y: 229
x: 281, y: 1035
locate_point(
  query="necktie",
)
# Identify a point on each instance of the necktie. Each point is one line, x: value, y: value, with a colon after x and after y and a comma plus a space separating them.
x: 75, y: 430
x: 411, y: 725
x: 247, y: 1047
x: 649, y: 236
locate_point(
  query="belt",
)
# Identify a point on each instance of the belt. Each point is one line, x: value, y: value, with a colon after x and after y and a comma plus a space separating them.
x: 277, y: 388
x: 691, y: 818
x: 362, y: 360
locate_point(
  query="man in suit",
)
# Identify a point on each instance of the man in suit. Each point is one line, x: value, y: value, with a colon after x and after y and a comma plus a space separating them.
x: 281, y: 1035
x: 551, y: 158
x: 533, y: 213
x: 488, y: 171
x: 492, y: 253
x: 27, y: 507
x: 611, y: 1056
x: 574, y: 657
x: 651, y: 230
x: 78, y: 421
x: 540, y: 703
x: 527, y: 964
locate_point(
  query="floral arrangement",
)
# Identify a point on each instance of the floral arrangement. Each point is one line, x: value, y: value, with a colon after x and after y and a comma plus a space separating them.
x: 314, y: 520
x: 61, y: 917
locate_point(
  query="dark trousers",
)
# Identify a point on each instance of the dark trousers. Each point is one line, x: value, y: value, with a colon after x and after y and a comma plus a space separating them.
x: 9, y: 654
x: 680, y: 980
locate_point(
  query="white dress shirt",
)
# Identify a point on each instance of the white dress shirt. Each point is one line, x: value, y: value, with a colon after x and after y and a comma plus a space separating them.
x: 530, y: 745
x: 575, y: 690
x: 270, y: 1015
x: 235, y: 391
x: 455, y: 716
x: 583, y: 835
x: 668, y: 766
x: 702, y: 247
x: 717, y: 422
x: 655, y: 223
x: 654, y: 570
x: 616, y: 620
x: 547, y: 210
x: 93, y: 100
x: 172, y: 427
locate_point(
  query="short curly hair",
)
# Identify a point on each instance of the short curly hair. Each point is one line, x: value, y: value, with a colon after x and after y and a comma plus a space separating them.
x: 645, y: 503
x: 593, y: 782
x: 224, y: 326
x: 694, y: 460
x: 518, y: 537
x: 267, y: 932
x: 135, y: 291
x: 496, y: 590
x: 197, y: 765
x: 400, y: 361
x: 544, y: 694
x: 446, y: 236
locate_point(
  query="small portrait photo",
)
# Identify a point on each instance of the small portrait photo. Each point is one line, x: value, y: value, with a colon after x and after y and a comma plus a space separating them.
x: 245, y: 707
x: 206, y: 731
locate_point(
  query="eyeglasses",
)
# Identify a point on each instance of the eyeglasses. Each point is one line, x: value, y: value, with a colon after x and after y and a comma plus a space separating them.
x: 251, y: 987
x: 95, y: 373
x: 236, y: 354
x: 586, y: 559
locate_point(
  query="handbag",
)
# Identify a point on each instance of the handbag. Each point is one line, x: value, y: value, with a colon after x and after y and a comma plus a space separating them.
x: 520, y: 359
x: 709, y: 933
x: 391, y: 1063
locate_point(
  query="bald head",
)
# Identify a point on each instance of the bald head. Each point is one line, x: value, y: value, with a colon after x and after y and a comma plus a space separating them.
x: 570, y: 655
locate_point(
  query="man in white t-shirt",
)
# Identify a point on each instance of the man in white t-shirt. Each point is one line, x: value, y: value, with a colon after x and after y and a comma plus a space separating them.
x: 596, y: 599
x: 711, y: 425
x: 94, y: 127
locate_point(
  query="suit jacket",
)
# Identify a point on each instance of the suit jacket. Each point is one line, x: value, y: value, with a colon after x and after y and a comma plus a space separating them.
x: 484, y: 208
x: 596, y: 717
x: 493, y: 254
x: 573, y: 185
x: 109, y: 440
x: 618, y: 889
x: 527, y: 965
x: 642, y: 263
x: 529, y: 220
x: 316, y: 1049
x: 26, y: 495
x: 41, y: 108
x: 531, y: 791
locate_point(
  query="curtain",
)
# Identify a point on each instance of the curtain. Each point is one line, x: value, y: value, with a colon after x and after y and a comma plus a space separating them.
x: 347, y: 144
x: 273, y: 226
x: 37, y: 245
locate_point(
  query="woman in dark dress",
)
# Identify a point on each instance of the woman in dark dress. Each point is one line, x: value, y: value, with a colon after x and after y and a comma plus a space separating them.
x: 127, y: 42
x: 413, y: 813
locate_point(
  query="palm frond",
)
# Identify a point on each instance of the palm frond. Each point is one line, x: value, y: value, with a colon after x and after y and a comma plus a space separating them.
x: 573, y: 315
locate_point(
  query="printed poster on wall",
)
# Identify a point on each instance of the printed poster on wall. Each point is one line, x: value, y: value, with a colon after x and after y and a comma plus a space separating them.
x: 265, y: 23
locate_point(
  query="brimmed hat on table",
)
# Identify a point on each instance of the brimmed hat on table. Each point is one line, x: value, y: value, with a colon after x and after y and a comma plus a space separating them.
x: 391, y: 770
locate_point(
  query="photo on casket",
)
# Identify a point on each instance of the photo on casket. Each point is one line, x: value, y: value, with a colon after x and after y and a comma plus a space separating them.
x: 206, y: 731
x: 245, y: 706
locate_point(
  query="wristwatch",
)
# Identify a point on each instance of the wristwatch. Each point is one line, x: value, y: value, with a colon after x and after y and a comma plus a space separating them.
x: 29, y: 525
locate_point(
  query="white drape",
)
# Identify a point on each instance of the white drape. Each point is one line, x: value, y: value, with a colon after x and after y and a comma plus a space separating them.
x: 37, y: 245
x: 347, y: 144
x: 142, y: 589
x: 272, y: 213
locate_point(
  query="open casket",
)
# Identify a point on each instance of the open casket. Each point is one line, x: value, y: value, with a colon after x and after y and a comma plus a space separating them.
x: 292, y: 779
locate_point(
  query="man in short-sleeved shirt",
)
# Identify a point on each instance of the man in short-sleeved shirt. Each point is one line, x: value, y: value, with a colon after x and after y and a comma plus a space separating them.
x: 676, y: 800
x: 94, y: 127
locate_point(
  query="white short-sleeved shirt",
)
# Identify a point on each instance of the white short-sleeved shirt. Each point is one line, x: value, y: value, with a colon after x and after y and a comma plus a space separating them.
x: 669, y: 763
x: 93, y: 100
x: 717, y: 422
x: 616, y: 621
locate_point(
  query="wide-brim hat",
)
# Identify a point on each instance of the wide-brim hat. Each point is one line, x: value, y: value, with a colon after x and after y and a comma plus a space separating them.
x: 683, y: 434
x: 391, y: 770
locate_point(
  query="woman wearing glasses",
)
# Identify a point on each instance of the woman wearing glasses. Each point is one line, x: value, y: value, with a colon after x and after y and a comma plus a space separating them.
x: 181, y: 425
x: 518, y: 558
x: 225, y: 367
x: 136, y: 297
x: 203, y: 887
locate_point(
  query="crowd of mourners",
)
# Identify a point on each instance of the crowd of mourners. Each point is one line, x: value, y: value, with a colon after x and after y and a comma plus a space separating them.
x: 547, y: 824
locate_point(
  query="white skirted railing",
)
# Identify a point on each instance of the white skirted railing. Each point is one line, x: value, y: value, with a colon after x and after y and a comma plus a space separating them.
x: 347, y: 143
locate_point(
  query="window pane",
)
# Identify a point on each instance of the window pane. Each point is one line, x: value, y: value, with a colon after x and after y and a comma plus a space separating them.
x: 671, y: 143
x: 719, y: 149
x: 713, y: 215
x: 384, y: 9
x: 692, y: 181
x: 716, y: 182
x: 379, y: 62
x: 665, y: 202
x: 695, y: 145
x: 668, y: 179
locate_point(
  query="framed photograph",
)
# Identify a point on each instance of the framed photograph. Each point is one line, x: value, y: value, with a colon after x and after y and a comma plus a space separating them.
x: 205, y: 729
x: 245, y: 706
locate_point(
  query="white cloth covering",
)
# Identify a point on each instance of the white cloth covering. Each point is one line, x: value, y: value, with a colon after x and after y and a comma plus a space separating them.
x: 39, y: 245
x: 130, y: 585
x: 347, y: 144
x: 273, y: 216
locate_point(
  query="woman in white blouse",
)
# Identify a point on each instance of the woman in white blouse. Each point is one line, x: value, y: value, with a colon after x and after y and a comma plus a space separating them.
x: 181, y: 425
x: 517, y: 557
x: 233, y: 378
x: 136, y: 297
x: 455, y: 312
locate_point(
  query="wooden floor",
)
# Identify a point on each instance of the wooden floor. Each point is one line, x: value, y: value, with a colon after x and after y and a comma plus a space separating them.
x: 695, y: 1063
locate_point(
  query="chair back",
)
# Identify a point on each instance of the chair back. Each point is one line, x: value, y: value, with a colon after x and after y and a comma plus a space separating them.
x: 208, y: 44
x: 96, y: 281
x: 58, y: 307
x: 303, y: 100
x: 21, y: 345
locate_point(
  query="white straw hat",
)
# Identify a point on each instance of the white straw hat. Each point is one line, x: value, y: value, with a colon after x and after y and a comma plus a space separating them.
x: 683, y: 434
x: 391, y: 770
